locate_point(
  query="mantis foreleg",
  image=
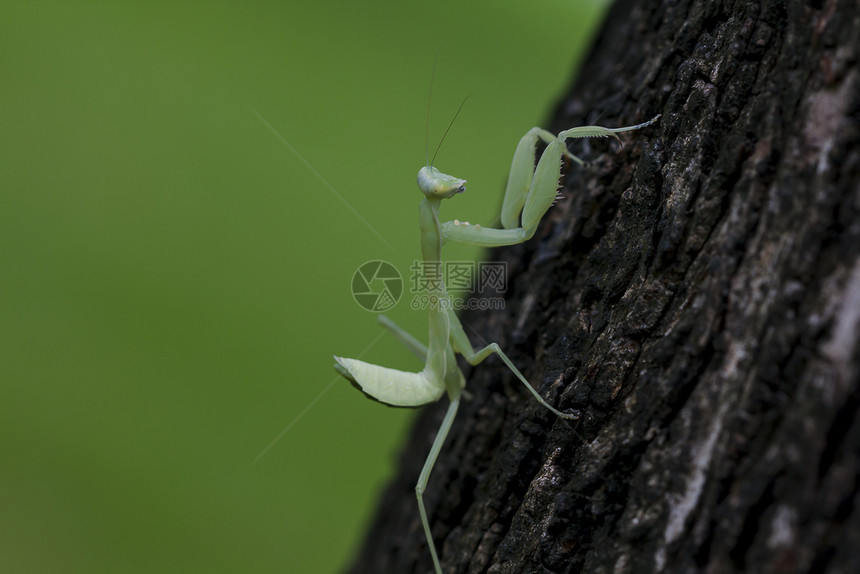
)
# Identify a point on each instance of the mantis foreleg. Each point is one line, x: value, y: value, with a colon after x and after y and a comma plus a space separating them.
x: 521, y: 174
x: 531, y: 190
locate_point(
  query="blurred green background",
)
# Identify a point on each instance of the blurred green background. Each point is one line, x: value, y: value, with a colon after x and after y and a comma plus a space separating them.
x: 174, y: 282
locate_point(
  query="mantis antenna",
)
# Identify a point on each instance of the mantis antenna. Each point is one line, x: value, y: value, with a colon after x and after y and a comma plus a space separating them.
x: 448, y: 129
x: 427, y: 115
x: 427, y: 161
x: 531, y: 191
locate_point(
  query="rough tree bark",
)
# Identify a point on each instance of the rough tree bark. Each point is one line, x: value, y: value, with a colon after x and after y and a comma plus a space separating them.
x: 696, y: 298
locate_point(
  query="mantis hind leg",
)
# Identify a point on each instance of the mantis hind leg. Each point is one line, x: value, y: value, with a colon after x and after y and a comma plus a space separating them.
x: 462, y: 345
x: 417, y: 348
x: 425, y: 476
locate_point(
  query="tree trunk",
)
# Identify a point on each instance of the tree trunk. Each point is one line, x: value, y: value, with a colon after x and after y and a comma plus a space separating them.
x: 695, y: 298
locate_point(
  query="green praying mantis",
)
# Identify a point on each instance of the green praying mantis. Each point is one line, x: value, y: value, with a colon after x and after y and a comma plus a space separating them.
x: 531, y: 191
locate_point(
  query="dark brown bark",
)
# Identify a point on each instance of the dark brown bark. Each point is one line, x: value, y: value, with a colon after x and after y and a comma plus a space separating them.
x: 696, y: 299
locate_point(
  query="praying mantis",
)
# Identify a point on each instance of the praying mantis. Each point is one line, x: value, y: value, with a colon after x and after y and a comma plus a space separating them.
x: 531, y: 191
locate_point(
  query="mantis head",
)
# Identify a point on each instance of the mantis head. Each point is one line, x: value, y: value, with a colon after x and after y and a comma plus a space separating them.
x: 436, y: 185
